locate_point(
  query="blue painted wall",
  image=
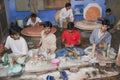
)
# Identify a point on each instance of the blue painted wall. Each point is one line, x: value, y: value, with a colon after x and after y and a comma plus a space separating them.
x: 49, y: 14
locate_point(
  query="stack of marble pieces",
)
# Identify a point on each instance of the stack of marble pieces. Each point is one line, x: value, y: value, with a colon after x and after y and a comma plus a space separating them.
x: 89, y: 59
x: 39, y: 66
x: 107, y: 60
x: 72, y: 63
x: 84, y: 61
x: 104, y: 61
x: 44, y: 66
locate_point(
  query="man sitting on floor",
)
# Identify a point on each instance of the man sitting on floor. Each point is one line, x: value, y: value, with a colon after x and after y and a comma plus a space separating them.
x: 47, y: 42
x: 48, y: 39
x: 100, y: 37
x: 71, y: 38
x: 17, y: 44
x: 110, y: 17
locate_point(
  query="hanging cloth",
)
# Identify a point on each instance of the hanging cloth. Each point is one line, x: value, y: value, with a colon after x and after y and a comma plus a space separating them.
x: 33, y: 5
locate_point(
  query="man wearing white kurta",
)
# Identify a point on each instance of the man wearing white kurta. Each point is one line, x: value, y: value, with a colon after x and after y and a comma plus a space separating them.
x: 17, y: 44
x: 18, y: 47
x: 47, y: 42
x: 66, y: 14
x: 33, y: 20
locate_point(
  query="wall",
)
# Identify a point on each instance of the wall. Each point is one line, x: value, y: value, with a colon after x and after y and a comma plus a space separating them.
x: 43, y: 14
x: 3, y: 21
x: 115, y: 7
x: 7, y: 11
x: 49, y: 14
x: 101, y: 3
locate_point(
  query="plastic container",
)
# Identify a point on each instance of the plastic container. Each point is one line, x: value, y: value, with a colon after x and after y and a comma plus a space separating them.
x: 55, y: 62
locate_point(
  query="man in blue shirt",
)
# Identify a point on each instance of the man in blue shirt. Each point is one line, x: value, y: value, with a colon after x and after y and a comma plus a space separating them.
x: 110, y: 17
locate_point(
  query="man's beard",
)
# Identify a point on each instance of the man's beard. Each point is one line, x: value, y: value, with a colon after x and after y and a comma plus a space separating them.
x: 47, y: 32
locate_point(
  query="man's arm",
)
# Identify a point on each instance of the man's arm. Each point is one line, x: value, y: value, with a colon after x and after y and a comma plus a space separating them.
x: 24, y: 47
x: 7, y: 45
x: 28, y: 22
x: 63, y: 37
x: 52, y: 44
x: 40, y: 42
x: 92, y: 40
x: 61, y: 13
x: 112, y: 21
x: 39, y: 21
x: 71, y: 14
x: 78, y: 38
x: 108, y: 39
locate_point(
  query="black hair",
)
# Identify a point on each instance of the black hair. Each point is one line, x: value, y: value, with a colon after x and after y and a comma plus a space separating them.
x: 47, y: 24
x: 14, y: 30
x: 68, y: 5
x: 106, y: 22
x: 108, y: 10
x: 33, y: 15
x: 70, y: 25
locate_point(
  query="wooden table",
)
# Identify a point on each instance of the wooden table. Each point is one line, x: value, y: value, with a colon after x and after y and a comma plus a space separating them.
x: 35, y: 31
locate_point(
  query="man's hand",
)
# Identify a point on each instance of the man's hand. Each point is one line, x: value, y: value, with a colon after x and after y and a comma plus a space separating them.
x: 38, y: 45
x: 40, y: 23
x: 7, y: 50
x: 71, y: 45
x: 49, y: 50
x: 78, y: 42
x: 100, y: 45
x: 2, y: 50
x: 15, y: 58
x: 100, y: 18
x: 19, y: 56
x: 67, y: 18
